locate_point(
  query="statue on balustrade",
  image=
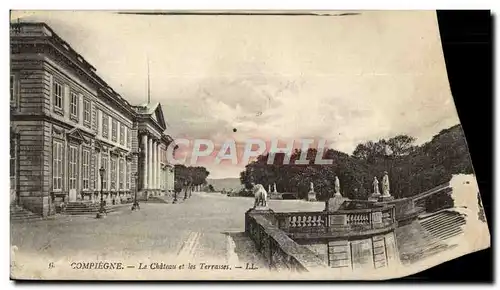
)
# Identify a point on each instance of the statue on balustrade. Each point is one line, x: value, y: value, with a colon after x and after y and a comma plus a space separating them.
x: 311, y: 196
x: 375, y: 187
x: 337, y: 186
x: 269, y: 188
x: 260, y: 195
x: 275, y: 191
x: 385, y: 184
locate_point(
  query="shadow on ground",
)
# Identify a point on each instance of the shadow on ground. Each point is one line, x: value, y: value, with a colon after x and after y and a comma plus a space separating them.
x: 245, y: 249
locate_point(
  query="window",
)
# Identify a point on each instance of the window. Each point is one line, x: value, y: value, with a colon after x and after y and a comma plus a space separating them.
x: 85, y: 169
x: 122, y: 134
x: 98, y: 121
x: 86, y: 112
x: 114, y: 127
x: 57, y: 165
x: 129, y: 138
x: 13, y: 163
x: 129, y: 175
x: 105, y: 124
x: 13, y: 89
x: 122, y: 174
x: 73, y: 171
x: 96, y: 170
x: 113, y: 173
x: 104, y: 164
x: 74, y: 106
x: 58, y: 95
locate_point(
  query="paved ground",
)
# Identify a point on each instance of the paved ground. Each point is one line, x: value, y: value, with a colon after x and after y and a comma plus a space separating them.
x: 206, y: 227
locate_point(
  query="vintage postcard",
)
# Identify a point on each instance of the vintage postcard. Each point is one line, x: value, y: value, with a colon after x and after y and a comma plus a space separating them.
x: 235, y: 146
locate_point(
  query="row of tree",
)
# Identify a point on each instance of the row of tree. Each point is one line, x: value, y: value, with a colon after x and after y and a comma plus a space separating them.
x: 412, y: 169
x: 189, y: 177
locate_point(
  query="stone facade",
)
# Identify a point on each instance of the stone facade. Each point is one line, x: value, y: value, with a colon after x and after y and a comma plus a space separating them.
x: 66, y: 123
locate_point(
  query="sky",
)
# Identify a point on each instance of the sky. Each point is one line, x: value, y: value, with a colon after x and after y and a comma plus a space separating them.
x: 345, y: 79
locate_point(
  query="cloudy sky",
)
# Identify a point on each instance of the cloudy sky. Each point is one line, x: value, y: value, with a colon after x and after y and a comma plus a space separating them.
x: 346, y: 79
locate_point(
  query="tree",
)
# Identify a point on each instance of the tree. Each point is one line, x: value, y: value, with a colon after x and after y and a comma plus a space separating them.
x: 401, y: 145
x: 412, y: 169
x: 188, y: 177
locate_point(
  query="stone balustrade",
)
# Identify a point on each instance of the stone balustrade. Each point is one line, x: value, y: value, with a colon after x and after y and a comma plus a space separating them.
x: 339, y: 223
x: 279, y: 250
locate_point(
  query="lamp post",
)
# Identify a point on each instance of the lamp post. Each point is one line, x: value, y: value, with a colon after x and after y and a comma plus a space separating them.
x: 102, y: 209
x: 136, y: 206
x: 186, y: 185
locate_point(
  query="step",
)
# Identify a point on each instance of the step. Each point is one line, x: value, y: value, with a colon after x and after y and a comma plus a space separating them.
x: 441, y: 218
x: 457, y: 221
x: 444, y: 234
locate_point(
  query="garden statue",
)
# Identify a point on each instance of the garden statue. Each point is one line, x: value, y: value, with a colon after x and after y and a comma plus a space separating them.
x: 260, y: 195
x: 375, y: 186
x: 311, y: 196
x: 337, y: 186
x: 385, y: 184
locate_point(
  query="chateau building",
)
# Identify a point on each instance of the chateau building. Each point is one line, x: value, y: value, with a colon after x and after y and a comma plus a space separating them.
x: 67, y: 123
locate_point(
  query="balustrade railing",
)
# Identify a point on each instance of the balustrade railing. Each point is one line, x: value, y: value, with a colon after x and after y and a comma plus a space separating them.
x: 278, y: 250
x: 338, y: 221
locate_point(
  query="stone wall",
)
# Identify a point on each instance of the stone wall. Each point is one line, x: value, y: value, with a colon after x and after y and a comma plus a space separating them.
x: 368, y: 253
x: 280, y: 251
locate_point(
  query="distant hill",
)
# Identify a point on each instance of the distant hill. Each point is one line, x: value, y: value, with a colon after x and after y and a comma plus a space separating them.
x: 225, y: 183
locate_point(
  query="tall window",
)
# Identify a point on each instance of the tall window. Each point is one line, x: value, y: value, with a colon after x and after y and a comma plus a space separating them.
x: 73, y: 172
x: 113, y: 173
x: 13, y: 89
x: 74, y: 105
x: 57, y: 165
x: 104, y: 164
x: 122, y: 174
x: 85, y: 169
x: 98, y: 121
x: 93, y: 180
x: 129, y: 175
x: 114, y: 128
x: 13, y: 163
x: 57, y: 90
x: 122, y: 134
x: 129, y: 138
x: 105, y: 123
x: 86, y: 112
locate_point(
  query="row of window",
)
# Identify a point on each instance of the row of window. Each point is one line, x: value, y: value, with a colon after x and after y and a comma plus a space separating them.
x: 117, y: 165
x: 74, y: 103
x: 74, y: 98
x: 58, y: 99
x: 124, y: 131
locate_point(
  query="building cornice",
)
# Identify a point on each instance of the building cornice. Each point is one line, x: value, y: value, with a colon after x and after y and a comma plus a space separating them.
x: 45, y: 36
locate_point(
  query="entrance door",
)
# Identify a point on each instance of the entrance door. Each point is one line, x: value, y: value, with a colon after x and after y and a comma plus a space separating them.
x: 73, y: 160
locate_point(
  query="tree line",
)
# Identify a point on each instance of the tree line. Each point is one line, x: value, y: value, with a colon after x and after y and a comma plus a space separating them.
x: 412, y: 169
x: 189, y: 177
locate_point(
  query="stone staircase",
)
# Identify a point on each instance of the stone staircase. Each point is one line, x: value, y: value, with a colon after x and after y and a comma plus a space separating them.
x: 18, y: 213
x: 415, y: 243
x: 428, y: 235
x: 444, y: 224
x: 89, y: 208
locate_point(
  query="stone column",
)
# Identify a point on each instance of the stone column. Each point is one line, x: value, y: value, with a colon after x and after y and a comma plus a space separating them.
x: 144, y: 161
x: 153, y: 165
x: 158, y: 166
x: 150, y: 160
